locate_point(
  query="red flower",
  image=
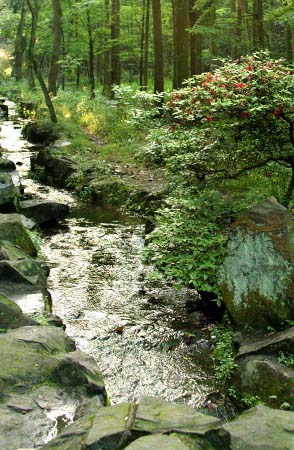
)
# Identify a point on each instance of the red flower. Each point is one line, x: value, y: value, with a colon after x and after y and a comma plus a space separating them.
x: 208, y: 118
x: 277, y: 111
x: 193, y: 100
x: 244, y: 114
x: 204, y: 84
x: 239, y: 85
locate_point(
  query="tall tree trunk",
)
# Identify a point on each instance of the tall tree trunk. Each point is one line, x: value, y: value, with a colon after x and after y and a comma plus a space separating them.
x: 232, y: 51
x: 115, y: 72
x: 181, y: 41
x: 258, y: 33
x: 146, y: 49
x: 34, y: 9
x: 106, y: 56
x: 196, y: 41
x: 57, y: 33
x: 91, y: 56
x: 158, y: 47
x: 142, y: 43
x: 20, y: 44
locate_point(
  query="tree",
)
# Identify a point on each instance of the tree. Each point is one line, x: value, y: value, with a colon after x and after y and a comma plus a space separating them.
x: 57, y: 33
x: 115, y: 72
x: 258, y: 32
x: 158, y: 48
x: 20, y: 44
x: 196, y: 40
x: 228, y: 123
x: 181, y: 41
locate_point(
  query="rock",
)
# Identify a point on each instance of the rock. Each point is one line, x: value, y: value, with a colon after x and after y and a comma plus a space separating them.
x: 30, y: 298
x: 158, y: 416
x: 72, y: 437
x: 8, y: 193
x: 271, y: 381
x: 11, y: 315
x: 12, y: 229
x: 110, y: 428
x: 256, y: 278
x: 18, y: 267
x: 40, y: 133
x: 78, y: 368
x: 43, y: 212
x: 269, y: 345
x: 259, y: 428
x: 158, y: 441
x: 54, y: 321
x: 57, y: 170
x: 7, y: 165
x: 43, y: 339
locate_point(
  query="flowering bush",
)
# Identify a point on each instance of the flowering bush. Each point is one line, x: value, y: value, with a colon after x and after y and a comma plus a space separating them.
x: 223, y: 124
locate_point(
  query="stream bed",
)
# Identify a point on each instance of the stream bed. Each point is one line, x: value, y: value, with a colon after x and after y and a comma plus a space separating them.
x: 139, y: 332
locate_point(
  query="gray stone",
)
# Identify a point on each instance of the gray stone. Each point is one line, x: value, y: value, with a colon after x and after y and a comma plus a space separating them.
x: 271, y: 381
x: 8, y: 193
x: 78, y: 368
x: 259, y: 428
x: 18, y: 267
x: 158, y: 416
x: 257, y: 276
x: 12, y: 229
x: 58, y: 170
x: 158, y: 441
x: 7, y: 164
x: 43, y: 212
x: 11, y: 315
x: 110, y: 428
x: 278, y: 342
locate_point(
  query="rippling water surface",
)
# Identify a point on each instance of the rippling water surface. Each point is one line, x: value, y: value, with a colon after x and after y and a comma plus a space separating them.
x: 140, y: 334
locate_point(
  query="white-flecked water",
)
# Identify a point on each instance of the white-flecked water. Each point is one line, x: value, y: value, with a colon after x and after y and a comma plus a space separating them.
x: 140, y: 334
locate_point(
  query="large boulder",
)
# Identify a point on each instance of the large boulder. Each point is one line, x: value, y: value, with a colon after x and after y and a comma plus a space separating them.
x: 18, y: 267
x: 259, y: 428
x: 11, y: 315
x: 7, y: 165
x: 43, y: 212
x: 257, y: 277
x: 8, y: 193
x: 12, y: 229
x: 57, y: 169
x: 158, y: 441
x: 269, y: 345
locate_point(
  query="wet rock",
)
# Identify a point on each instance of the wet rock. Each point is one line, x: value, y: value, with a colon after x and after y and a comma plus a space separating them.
x: 110, y: 428
x: 43, y: 212
x: 40, y: 133
x: 258, y: 428
x: 57, y: 170
x: 7, y: 165
x: 269, y: 345
x: 158, y: 416
x: 159, y: 441
x: 12, y: 229
x: 18, y: 267
x: 78, y: 368
x: 54, y: 321
x: 11, y: 315
x: 8, y: 193
x: 72, y: 437
x: 30, y: 298
x: 257, y: 275
x: 271, y: 381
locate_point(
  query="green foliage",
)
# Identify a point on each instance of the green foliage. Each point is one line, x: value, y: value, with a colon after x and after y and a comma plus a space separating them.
x: 245, y: 400
x: 224, y: 353
x: 188, y: 244
x: 287, y: 359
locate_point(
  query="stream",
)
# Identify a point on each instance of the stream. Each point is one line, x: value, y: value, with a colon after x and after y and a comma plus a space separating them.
x: 139, y: 332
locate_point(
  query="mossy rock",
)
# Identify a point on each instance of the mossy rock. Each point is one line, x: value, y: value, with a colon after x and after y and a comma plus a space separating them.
x: 11, y: 315
x: 12, y: 229
x: 40, y: 133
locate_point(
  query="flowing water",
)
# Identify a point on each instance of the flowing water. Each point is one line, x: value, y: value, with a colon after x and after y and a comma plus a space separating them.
x: 139, y: 332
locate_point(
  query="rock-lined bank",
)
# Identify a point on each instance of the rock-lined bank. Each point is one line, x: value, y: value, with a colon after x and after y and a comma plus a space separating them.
x: 153, y: 423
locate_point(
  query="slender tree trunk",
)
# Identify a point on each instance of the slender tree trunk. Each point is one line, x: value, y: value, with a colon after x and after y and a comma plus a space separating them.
x: 142, y: 42
x: 181, y: 41
x: 34, y: 9
x: 20, y: 44
x: 57, y: 32
x: 232, y: 51
x: 146, y: 49
x: 115, y: 72
x: 258, y: 33
x: 196, y: 41
x: 91, y: 56
x: 158, y: 47
x: 106, y: 56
